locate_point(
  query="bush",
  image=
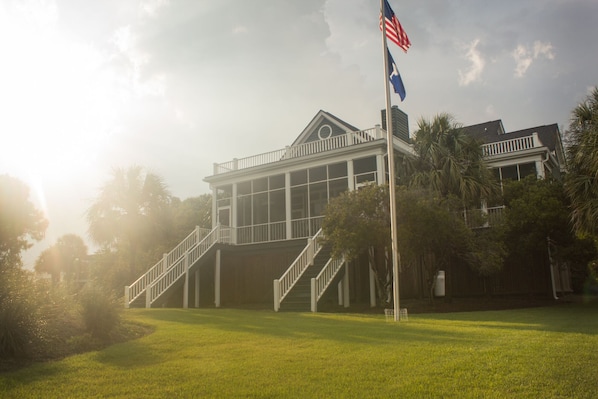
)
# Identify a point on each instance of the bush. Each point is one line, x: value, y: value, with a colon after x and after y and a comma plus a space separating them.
x: 100, y: 311
x: 20, y: 324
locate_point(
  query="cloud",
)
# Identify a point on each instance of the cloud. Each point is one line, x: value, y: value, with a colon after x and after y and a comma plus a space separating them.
x: 151, y: 7
x: 476, y: 68
x: 524, y: 57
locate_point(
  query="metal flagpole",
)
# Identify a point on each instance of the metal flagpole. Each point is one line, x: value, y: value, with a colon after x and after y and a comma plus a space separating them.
x: 391, y: 173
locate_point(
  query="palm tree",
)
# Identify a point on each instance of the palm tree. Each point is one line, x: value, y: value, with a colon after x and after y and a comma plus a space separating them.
x: 129, y: 211
x: 62, y: 257
x: 450, y: 163
x: 581, y: 183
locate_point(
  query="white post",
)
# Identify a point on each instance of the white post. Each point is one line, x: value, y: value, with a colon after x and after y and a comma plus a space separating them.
x: 339, y: 289
x: 233, y: 215
x: 276, y: 295
x: 351, y: 175
x: 372, y: 287
x: 214, y: 207
x: 217, y: 280
x: 127, y: 297
x: 314, y: 296
x: 197, y: 235
x: 164, y: 263
x: 287, y: 204
x: 148, y: 298
x: 197, y: 288
x: 380, y: 178
x: 186, y: 286
x: 346, y: 300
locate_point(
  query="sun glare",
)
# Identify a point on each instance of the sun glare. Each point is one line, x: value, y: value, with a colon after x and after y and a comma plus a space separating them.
x: 56, y: 97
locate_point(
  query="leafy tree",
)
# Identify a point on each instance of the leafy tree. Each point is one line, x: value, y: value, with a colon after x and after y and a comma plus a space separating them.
x: 450, y: 162
x: 189, y: 213
x: 537, y: 210
x: 64, y: 257
x: 20, y: 222
x: 130, y: 212
x: 581, y: 183
x: 432, y: 237
x: 358, y: 223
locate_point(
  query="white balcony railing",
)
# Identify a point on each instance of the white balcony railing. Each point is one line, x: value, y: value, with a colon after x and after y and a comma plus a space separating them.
x: 513, y: 145
x: 302, y: 150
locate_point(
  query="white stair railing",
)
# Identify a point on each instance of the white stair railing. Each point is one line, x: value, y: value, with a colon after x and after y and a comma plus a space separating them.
x: 138, y: 287
x: 178, y: 270
x: 320, y: 283
x: 283, y: 285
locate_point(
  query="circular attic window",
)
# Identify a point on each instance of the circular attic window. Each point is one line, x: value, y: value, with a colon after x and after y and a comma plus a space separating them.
x: 324, y: 132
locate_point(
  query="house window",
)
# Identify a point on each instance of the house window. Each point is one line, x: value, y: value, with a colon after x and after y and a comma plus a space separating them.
x: 317, y: 174
x: 364, y: 170
x: 509, y: 172
x: 299, y: 202
x: 337, y: 170
x: 318, y: 198
x: 299, y: 177
x: 223, y: 195
x: 527, y: 169
x: 516, y: 172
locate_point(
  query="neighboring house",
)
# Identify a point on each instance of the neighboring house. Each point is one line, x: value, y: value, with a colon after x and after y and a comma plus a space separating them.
x: 268, y: 209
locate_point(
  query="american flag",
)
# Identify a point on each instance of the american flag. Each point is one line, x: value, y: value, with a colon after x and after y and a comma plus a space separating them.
x: 394, y: 30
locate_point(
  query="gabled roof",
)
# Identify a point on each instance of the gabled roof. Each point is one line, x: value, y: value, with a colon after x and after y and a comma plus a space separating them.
x: 493, y: 131
x: 487, y: 131
x: 337, y: 125
x: 548, y: 135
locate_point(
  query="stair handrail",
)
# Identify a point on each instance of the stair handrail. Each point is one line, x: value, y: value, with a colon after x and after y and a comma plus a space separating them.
x: 137, y: 288
x: 180, y: 267
x: 283, y: 285
x: 322, y: 281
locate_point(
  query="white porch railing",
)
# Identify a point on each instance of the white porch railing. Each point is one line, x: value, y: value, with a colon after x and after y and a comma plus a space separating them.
x: 320, y: 283
x: 266, y: 232
x: 493, y: 216
x: 283, y: 285
x: 306, y: 227
x: 513, y: 145
x: 138, y: 287
x: 302, y: 150
x: 182, y: 265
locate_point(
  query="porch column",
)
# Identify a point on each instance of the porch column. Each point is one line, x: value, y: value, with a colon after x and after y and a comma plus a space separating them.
x: 540, y: 169
x: 186, y: 286
x: 214, y: 206
x: 233, y: 214
x: 217, y: 280
x: 350, y: 175
x: 380, y: 175
x: 372, y: 287
x: 346, y: 300
x: 287, y: 205
x: 197, y: 288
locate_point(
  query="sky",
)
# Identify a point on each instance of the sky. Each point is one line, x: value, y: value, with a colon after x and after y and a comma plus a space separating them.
x: 176, y: 85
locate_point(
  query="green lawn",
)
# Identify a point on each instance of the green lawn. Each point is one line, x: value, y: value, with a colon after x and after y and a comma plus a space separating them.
x: 222, y: 353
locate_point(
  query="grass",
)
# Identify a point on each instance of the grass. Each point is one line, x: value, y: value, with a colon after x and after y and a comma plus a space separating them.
x: 547, y: 352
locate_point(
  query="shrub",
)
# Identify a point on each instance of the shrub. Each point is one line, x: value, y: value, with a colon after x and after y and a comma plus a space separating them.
x: 100, y: 311
x: 20, y: 324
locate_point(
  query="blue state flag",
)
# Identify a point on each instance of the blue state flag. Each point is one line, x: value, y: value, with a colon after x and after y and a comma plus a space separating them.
x: 395, y: 77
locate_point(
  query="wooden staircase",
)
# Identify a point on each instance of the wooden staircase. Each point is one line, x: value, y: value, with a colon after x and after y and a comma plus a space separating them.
x: 161, y: 278
x: 299, y: 298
